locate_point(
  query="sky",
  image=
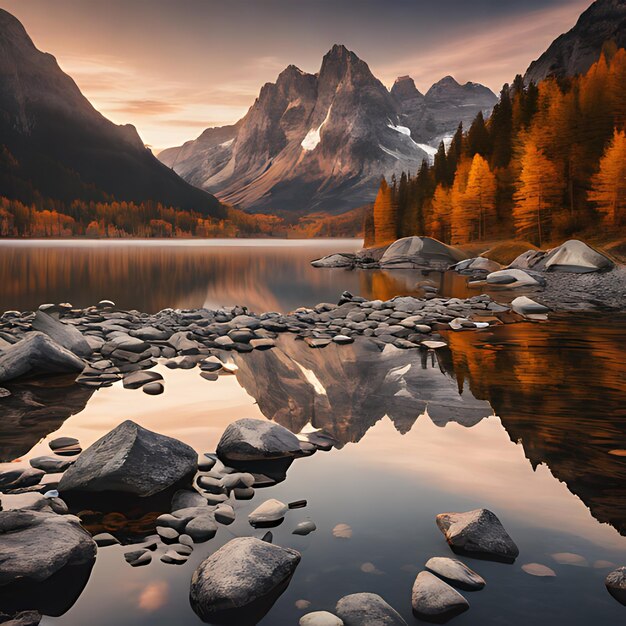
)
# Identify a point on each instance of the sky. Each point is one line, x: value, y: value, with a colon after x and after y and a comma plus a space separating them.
x: 175, y: 67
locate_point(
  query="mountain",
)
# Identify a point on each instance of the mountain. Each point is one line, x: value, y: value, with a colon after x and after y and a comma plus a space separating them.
x: 53, y: 143
x: 577, y: 50
x: 321, y: 142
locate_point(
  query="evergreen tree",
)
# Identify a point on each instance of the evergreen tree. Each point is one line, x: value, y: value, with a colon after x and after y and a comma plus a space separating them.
x: 440, y: 167
x: 455, y: 151
x: 478, y: 137
x: 501, y: 130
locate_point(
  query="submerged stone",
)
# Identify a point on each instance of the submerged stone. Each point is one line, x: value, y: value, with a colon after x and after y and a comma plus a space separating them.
x: 433, y: 599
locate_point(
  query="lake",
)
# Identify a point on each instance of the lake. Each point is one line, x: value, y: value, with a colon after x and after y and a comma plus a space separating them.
x: 528, y: 420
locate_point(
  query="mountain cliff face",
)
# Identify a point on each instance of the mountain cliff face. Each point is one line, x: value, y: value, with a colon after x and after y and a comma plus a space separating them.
x: 577, y: 50
x: 314, y: 142
x: 53, y: 142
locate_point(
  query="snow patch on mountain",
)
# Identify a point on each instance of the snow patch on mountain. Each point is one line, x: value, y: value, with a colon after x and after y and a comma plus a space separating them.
x: 429, y: 150
x: 403, y: 130
x: 313, y: 137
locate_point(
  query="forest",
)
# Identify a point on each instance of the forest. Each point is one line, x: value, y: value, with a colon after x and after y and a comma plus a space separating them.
x: 548, y: 164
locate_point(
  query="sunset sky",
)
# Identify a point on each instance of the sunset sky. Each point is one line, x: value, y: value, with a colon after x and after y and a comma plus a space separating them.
x: 175, y: 67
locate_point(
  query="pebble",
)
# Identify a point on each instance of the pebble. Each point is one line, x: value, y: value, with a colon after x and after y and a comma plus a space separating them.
x: 537, y: 569
x: 105, y: 539
x: 304, y: 528
x: 153, y: 389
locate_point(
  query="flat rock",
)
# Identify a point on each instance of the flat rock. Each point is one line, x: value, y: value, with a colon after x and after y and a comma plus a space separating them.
x: 304, y: 528
x: 256, y: 440
x: 420, y: 252
x: 137, y: 558
x: 105, y: 539
x: 135, y: 380
x: 63, y: 442
x: 455, y: 573
x: 526, y: 306
x: 512, y: 278
x: 201, y: 528
x: 35, y: 545
x: 434, y: 599
x: 367, y: 609
x: 50, y: 464
x: 131, y: 459
x: 478, y: 533
x: 244, y: 576
x: 336, y: 260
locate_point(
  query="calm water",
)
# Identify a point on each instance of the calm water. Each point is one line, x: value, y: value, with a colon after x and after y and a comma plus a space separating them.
x: 528, y: 420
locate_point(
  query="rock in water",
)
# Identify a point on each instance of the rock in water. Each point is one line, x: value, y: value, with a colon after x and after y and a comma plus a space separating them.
x: 476, y: 266
x: 435, y: 600
x: 455, y: 573
x: 37, y: 353
x: 320, y: 618
x: 242, y: 580
x: 367, y: 609
x: 257, y: 440
x: 65, y: 335
x: 526, y: 306
x: 416, y: 252
x: 35, y: 545
x: 24, y: 618
x: 131, y: 459
x: 270, y: 512
x: 616, y: 584
x: 513, y: 278
x: 335, y: 260
x: 478, y: 533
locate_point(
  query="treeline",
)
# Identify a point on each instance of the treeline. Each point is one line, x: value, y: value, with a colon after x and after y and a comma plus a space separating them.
x: 100, y: 220
x: 549, y: 163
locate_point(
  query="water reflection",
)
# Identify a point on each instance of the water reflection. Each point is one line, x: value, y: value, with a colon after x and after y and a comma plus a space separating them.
x: 559, y: 390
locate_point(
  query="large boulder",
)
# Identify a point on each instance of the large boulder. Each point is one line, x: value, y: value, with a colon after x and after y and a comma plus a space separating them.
x: 37, y: 353
x: 335, y: 260
x: 478, y: 533
x: 572, y: 256
x: 432, y: 598
x: 367, y: 609
x: 64, y: 334
x: 241, y: 581
x: 257, y: 440
x: 420, y: 252
x: 36, y: 544
x: 132, y: 460
x: 577, y: 257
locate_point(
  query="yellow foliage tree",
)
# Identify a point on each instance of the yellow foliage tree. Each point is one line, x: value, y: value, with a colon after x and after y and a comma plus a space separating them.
x: 459, y: 222
x: 479, y: 200
x: 539, y: 194
x: 440, y: 216
x: 385, y: 216
x: 608, y: 190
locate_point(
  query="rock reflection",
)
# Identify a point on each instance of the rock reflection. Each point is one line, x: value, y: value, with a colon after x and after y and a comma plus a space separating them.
x: 559, y: 390
x: 35, y: 409
x: 345, y: 390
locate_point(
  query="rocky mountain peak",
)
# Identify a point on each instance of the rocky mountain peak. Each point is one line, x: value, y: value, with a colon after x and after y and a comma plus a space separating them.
x: 404, y: 89
x: 577, y: 50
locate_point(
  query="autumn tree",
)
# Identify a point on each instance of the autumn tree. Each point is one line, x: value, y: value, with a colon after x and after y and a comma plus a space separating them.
x: 479, y: 200
x: 539, y: 195
x: 608, y: 191
x: 385, y: 216
x: 438, y: 225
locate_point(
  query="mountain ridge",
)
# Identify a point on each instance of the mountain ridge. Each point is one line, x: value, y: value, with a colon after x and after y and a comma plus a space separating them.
x: 320, y: 142
x: 62, y: 148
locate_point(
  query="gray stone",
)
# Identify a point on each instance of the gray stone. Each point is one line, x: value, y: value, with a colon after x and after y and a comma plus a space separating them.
x: 432, y: 598
x: 304, y: 528
x: 137, y: 558
x: 478, y: 533
x: 35, y: 545
x: 337, y: 260
x: 185, y: 498
x: 320, y: 618
x: 50, y: 464
x: 24, y: 618
x: 255, y: 440
x: 616, y: 584
x: 201, y: 528
x: 64, y: 334
x: 153, y: 389
x: 246, y: 573
x: 135, y: 380
x: 105, y: 539
x: 526, y: 306
x: 171, y: 557
x: 37, y: 353
x: 367, y: 609
x: 63, y: 442
x: 167, y: 533
x: 270, y: 512
x: 455, y: 573
x: 419, y: 252
x: 133, y: 460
